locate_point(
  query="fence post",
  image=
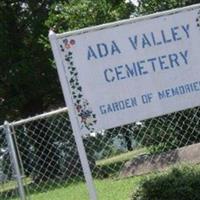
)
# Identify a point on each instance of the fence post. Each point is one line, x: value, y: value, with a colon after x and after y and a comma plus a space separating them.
x: 14, y: 160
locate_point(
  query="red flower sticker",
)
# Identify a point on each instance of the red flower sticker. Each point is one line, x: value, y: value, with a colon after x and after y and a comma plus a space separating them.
x: 72, y: 42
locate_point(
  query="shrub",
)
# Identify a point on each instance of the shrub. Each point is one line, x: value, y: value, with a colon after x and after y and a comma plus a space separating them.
x: 178, y: 184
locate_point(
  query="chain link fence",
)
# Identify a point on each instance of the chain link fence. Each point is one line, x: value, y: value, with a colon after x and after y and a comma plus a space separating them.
x: 8, y: 182
x: 50, y: 164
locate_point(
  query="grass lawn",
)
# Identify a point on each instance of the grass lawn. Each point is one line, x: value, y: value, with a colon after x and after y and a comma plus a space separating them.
x: 107, y: 189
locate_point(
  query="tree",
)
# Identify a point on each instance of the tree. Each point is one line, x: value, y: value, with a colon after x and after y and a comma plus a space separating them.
x: 29, y: 84
x: 152, y: 6
x: 83, y: 13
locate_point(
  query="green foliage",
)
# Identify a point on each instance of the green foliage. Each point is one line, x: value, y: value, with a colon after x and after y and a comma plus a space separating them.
x: 83, y: 13
x: 29, y: 84
x: 152, y: 6
x: 179, y: 183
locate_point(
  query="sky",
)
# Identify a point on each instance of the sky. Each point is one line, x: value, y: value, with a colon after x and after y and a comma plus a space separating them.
x: 133, y: 1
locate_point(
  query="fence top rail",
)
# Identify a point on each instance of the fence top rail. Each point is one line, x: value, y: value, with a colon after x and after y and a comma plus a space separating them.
x: 41, y: 116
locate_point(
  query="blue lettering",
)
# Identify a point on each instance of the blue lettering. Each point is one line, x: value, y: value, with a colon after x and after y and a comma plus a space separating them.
x: 102, y: 49
x: 127, y: 103
x: 152, y: 61
x: 164, y: 37
x: 115, y: 48
x: 141, y: 67
x: 115, y: 106
x: 184, y: 56
x: 91, y: 53
x: 188, y: 88
x: 109, y: 78
x: 109, y: 108
x: 173, y: 59
x: 153, y: 38
x: 119, y: 72
x: 175, y: 33
x: 175, y: 91
x: 161, y: 95
x: 131, y: 71
x: 102, y: 109
x: 186, y: 29
x: 121, y: 105
x: 134, y: 102
x: 145, y: 41
x: 195, y: 84
x: 167, y: 92
x: 181, y: 89
x: 134, y: 41
x: 161, y: 60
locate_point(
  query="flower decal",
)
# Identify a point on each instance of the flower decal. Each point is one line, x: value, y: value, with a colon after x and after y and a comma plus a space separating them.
x: 85, y: 114
x: 72, y: 42
x: 69, y: 43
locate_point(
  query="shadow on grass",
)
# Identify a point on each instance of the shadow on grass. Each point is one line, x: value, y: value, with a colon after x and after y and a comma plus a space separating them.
x: 110, y: 170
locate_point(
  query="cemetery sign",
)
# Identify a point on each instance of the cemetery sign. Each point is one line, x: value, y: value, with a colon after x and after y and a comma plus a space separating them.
x: 131, y: 70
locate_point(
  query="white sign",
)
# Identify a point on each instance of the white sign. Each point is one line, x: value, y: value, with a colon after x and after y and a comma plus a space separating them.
x: 131, y: 70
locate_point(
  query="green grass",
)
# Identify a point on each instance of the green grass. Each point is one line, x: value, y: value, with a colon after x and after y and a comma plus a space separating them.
x: 107, y: 189
x: 8, y: 186
x: 123, y: 157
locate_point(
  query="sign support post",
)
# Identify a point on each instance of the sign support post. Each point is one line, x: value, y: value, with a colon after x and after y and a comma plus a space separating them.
x: 77, y: 135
